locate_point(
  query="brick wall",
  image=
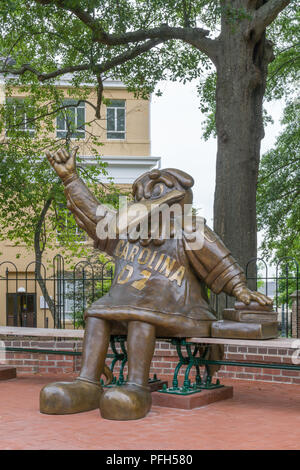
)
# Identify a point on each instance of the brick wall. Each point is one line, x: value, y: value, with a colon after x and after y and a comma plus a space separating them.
x: 296, y: 314
x: 257, y: 354
x: 28, y: 363
x: 163, y: 363
x: 165, y: 360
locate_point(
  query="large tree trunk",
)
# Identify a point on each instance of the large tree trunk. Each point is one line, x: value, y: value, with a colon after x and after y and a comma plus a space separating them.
x: 241, y: 79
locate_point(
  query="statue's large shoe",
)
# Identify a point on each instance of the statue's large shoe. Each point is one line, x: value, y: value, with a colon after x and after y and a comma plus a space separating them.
x: 61, y: 398
x: 125, y: 402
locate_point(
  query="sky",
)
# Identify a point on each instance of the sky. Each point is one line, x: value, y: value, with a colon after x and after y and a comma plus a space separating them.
x: 176, y: 137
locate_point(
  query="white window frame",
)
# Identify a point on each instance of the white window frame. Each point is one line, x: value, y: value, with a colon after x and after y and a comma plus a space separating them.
x: 80, y: 232
x: 82, y: 131
x: 69, y: 302
x: 14, y: 102
x: 115, y: 108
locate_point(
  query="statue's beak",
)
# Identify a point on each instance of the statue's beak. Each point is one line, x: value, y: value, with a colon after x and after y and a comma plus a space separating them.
x: 136, y: 213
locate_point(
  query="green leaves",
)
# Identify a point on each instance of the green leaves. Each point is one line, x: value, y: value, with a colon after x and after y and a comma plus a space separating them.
x: 278, y: 192
x: 28, y: 184
x: 54, y: 36
x: 283, y: 72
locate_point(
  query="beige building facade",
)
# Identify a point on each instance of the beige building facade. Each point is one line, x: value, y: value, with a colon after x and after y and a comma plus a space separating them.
x: 124, y: 130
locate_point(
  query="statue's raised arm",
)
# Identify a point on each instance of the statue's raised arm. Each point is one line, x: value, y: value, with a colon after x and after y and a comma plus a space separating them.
x: 80, y: 201
x: 88, y: 211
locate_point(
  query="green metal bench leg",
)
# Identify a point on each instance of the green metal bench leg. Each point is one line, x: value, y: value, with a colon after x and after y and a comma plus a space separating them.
x: 191, y: 360
x: 175, y: 377
x: 208, y: 384
x: 118, y: 357
x: 124, y: 361
x: 123, y: 358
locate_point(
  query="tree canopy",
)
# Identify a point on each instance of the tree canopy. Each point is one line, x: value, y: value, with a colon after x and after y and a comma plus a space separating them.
x: 228, y: 46
x: 140, y: 42
x: 278, y: 192
x: 32, y: 201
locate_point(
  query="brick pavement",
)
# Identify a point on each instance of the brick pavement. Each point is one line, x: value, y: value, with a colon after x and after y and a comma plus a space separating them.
x: 260, y: 416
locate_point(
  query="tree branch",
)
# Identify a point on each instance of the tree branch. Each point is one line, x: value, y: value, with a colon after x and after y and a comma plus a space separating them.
x: 186, y: 13
x: 45, y: 76
x: 49, y: 113
x: 194, y: 36
x: 84, y: 16
x: 284, y: 64
x: 289, y: 192
x: 262, y: 179
x: 99, y: 95
x: 97, y: 68
x: 264, y: 16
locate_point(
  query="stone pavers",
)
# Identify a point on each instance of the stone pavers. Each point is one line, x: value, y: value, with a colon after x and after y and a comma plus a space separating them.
x: 260, y: 416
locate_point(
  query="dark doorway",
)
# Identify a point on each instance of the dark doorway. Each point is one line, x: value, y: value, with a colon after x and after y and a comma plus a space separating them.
x: 21, y: 309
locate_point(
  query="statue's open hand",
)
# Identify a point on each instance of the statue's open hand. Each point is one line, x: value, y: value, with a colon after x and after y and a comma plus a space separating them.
x: 63, y: 162
x: 243, y: 294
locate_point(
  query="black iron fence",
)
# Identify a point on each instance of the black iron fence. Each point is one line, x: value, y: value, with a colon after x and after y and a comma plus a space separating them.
x: 281, y: 282
x: 57, y: 296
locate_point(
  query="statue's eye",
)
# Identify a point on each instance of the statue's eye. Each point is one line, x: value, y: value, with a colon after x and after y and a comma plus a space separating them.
x: 157, y: 190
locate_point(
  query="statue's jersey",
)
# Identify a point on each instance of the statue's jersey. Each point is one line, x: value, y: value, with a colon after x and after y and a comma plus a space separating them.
x: 163, y: 285
x: 154, y: 284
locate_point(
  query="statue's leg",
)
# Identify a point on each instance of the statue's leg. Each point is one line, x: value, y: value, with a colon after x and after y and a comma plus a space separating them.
x: 94, y: 349
x: 84, y: 393
x: 132, y: 400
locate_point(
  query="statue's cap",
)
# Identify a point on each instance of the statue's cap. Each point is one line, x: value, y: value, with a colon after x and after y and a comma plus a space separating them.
x: 182, y: 177
x: 170, y: 177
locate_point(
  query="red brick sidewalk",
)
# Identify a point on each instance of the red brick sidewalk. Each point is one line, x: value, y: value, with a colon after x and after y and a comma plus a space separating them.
x: 260, y: 416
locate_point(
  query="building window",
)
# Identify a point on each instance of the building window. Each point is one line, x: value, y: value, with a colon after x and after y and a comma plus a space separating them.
x: 75, y: 298
x: 67, y: 228
x: 19, y: 118
x: 71, y: 121
x: 115, y: 119
x: 70, y: 299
